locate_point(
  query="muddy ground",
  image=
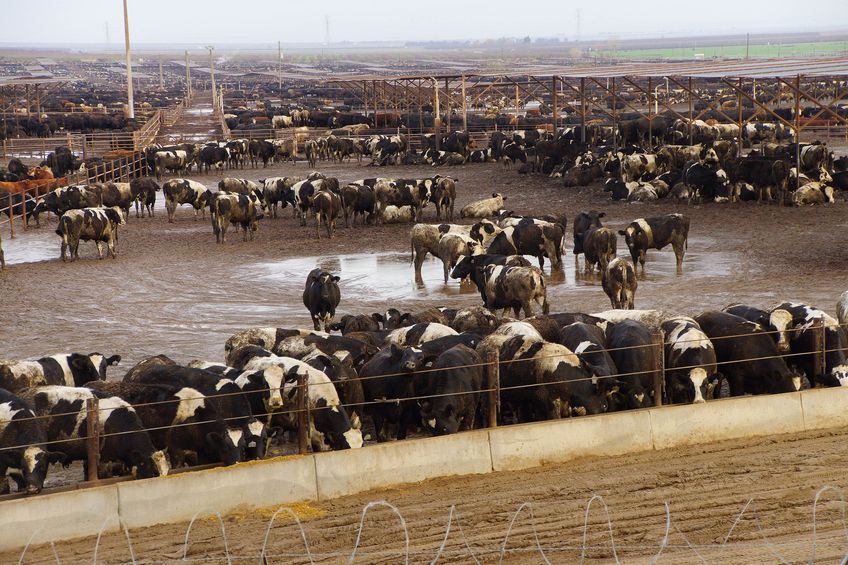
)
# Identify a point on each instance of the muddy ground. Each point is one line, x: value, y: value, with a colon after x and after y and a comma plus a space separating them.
x: 172, y: 290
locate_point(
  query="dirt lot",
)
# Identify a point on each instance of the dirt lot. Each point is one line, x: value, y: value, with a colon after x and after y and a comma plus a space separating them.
x: 706, y: 489
x: 173, y: 290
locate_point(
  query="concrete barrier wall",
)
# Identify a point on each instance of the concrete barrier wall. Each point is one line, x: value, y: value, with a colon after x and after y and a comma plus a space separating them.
x: 341, y: 473
x: 556, y: 441
x: 323, y: 476
x: 63, y: 515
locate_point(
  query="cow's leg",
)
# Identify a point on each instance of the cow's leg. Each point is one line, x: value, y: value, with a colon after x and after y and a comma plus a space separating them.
x: 99, y: 245
x: 111, y: 243
x: 171, y: 206
x: 317, y: 225
x: 679, y: 252
x: 64, y: 248
x: 331, y: 227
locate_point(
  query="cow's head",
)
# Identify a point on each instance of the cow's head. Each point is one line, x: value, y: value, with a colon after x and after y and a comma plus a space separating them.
x: 100, y: 363
x: 464, y: 267
x: 228, y: 442
x: 412, y: 359
x: 780, y: 321
x: 34, y: 463
x: 440, y: 416
x: 146, y: 467
x: 256, y: 437
x: 689, y: 387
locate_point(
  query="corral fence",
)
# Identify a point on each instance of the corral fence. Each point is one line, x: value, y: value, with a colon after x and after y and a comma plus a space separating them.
x: 93, y: 144
x: 121, y: 169
x: 489, y: 394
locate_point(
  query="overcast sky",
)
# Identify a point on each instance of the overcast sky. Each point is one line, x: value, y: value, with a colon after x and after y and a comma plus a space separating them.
x: 267, y: 21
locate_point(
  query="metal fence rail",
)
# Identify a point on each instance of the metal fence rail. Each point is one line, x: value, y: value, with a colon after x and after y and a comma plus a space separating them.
x: 489, y: 394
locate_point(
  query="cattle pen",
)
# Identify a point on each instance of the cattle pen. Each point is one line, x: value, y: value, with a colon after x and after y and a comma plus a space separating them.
x: 172, y: 293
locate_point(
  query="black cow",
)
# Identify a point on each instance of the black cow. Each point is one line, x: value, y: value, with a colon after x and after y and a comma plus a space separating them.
x: 706, y: 183
x: 655, y: 233
x: 321, y: 297
x: 144, y: 194
x: 582, y: 223
x: 516, y: 288
x: 636, y: 358
x: 748, y: 356
x: 764, y: 173
x: 125, y: 444
x: 690, y: 362
x: 454, y: 387
x: 23, y: 453
x: 212, y: 156
x: 358, y: 200
x: 390, y: 410
x: 15, y: 205
x: 356, y: 323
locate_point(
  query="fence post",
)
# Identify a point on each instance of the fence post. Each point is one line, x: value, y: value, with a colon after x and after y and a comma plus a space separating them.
x: 493, y: 386
x: 302, y: 414
x: 821, y: 349
x: 659, y: 369
x: 93, y: 437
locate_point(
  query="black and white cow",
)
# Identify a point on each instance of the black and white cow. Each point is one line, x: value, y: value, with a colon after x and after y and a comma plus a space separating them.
x: 238, y: 209
x: 424, y: 238
x: 185, y: 191
x: 599, y: 246
x: 454, y: 389
x: 690, y: 362
x: 804, y: 343
x: 124, y: 445
x: 632, y: 349
x: 329, y: 424
x: 89, y: 224
x: 321, y: 297
x: 655, y: 233
x: 588, y: 342
x: 776, y: 322
x: 403, y: 192
x: 23, y: 453
x: 516, y: 288
x: 619, y: 283
x: 418, y: 334
x: 174, y: 161
x: 67, y: 369
x: 473, y: 267
x: 530, y: 236
x: 238, y: 186
x: 748, y: 356
x: 278, y: 191
x: 542, y: 381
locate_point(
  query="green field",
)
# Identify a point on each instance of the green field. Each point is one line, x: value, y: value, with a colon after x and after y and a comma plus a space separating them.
x: 773, y: 50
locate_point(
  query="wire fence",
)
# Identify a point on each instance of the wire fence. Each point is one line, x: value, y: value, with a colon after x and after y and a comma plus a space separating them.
x: 524, y: 535
x: 489, y: 396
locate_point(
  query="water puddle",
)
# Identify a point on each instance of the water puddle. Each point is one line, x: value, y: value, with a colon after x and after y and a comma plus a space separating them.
x: 31, y: 246
x: 390, y: 276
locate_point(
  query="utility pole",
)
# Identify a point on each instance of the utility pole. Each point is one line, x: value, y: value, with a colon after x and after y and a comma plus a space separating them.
x: 280, y: 66
x: 212, y: 75
x: 747, y: 44
x: 188, y: 77
x: 161, y: 76
x: 130, y: 102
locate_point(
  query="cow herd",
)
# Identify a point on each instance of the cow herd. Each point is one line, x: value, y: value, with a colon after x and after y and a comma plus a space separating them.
x: 387, y: 375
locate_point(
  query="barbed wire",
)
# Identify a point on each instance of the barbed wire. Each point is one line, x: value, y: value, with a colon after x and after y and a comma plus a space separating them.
x: 499, y: 550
